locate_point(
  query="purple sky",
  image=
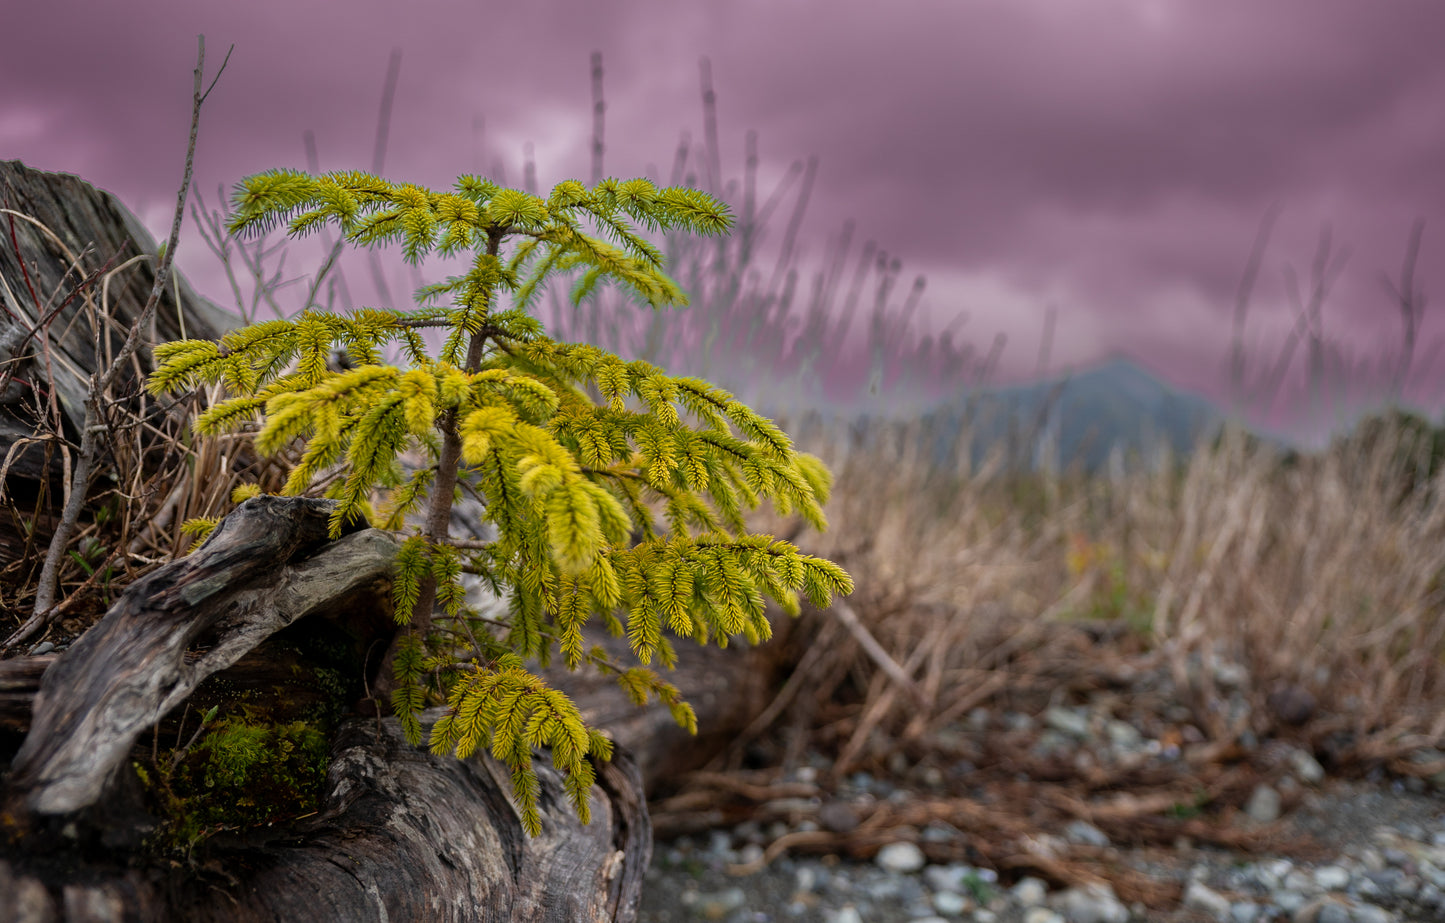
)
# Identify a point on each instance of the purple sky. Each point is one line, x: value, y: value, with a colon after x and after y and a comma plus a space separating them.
x: 1113, y: 159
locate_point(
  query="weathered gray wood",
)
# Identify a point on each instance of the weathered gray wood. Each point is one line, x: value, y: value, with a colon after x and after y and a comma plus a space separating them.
x: 402, y: 835
x: 133, y: 667
x: 727, y: 688
x: 19, y: 684
x: 399, y: 835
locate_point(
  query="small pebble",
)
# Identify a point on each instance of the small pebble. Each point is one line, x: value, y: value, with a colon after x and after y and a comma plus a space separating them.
x: 1245, y: 912
x: 1332, y: 878
x: 1288, y: 901
x: 1198, y: 896
x: 805, y: 879
x: 1092, y: 904
x: 1085, y: 834
x: 900, y: 858
x: 1030, y: 892
x: 949, y: 904
x: 944, y: 878
x: 1123, y: 735
x: 1068, y: 721
x: 1305, y: 767
x: 1264, y: 805
x: 838, y: 817
x: 1369, y: 913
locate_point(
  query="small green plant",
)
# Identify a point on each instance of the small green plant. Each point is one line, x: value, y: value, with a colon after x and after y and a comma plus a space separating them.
x: 614, y: 488
x: 980, y: 890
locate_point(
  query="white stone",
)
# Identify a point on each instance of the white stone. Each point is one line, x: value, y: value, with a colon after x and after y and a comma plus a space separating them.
x: 1301, y: 881
x: 1085, y: 833
x: 1199, y: 896
x: 1123, y: 735
x: 845, y: 914
x: 1245, y: 912
x: 1272, y: 872
x: 1369, y: 913
x: 1067, y: 721
x: 1030, y: 892
x: 1305, y: 767
x: 949, y: 904
x: 1091, y: 904
x: 805, y: 878
x: 1264, y: 805
x: 1042, y: 915
x: 1332, y: 878
x: 945, y: 877
x: 1288, y: 901
x: 1231, y: 675
x: 900, y: 858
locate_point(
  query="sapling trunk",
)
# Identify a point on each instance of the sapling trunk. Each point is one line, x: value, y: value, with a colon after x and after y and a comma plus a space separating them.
x: 437, y: 527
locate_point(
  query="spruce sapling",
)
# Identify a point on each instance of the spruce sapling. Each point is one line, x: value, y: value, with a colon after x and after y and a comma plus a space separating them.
x: 614, y: 489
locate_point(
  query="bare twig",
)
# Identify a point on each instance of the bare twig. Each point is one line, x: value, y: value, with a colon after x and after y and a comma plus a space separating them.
x: 378, y: 159
x: 102, y: 381
x: 1412, y: 308
x: 599, y: 108
x: 875, y: 651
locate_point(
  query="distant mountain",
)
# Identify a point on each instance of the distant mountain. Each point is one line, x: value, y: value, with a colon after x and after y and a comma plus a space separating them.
x: 1081, y: 417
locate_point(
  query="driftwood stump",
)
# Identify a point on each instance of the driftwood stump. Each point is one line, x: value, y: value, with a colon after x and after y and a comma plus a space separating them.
x: 398, y: 834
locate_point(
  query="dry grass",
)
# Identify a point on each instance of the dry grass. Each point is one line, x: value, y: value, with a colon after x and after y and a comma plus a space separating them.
x: 154, y: 474
x: 1318, y: 574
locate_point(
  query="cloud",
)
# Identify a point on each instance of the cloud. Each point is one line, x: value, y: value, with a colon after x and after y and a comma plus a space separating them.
x: 1112, y: 158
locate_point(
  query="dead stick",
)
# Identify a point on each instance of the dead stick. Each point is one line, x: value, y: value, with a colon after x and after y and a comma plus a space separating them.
x: 102, y: 381
x: 875, y: 651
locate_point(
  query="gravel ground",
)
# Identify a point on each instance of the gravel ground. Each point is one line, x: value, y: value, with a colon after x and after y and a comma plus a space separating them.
x: 1327, y: 849
x: 1382, y: 859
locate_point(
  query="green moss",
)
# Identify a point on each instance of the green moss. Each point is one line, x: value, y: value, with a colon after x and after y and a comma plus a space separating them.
x: 239, y: 775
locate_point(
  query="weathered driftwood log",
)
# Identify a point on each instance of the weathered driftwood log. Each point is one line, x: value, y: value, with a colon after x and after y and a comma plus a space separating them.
x: 401, y: 835
x: 175, y: 627
x: 398, y: 833
x: 727, y: 688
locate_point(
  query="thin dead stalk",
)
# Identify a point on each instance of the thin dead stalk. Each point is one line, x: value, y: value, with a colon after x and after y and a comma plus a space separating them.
x: 101, y: 383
